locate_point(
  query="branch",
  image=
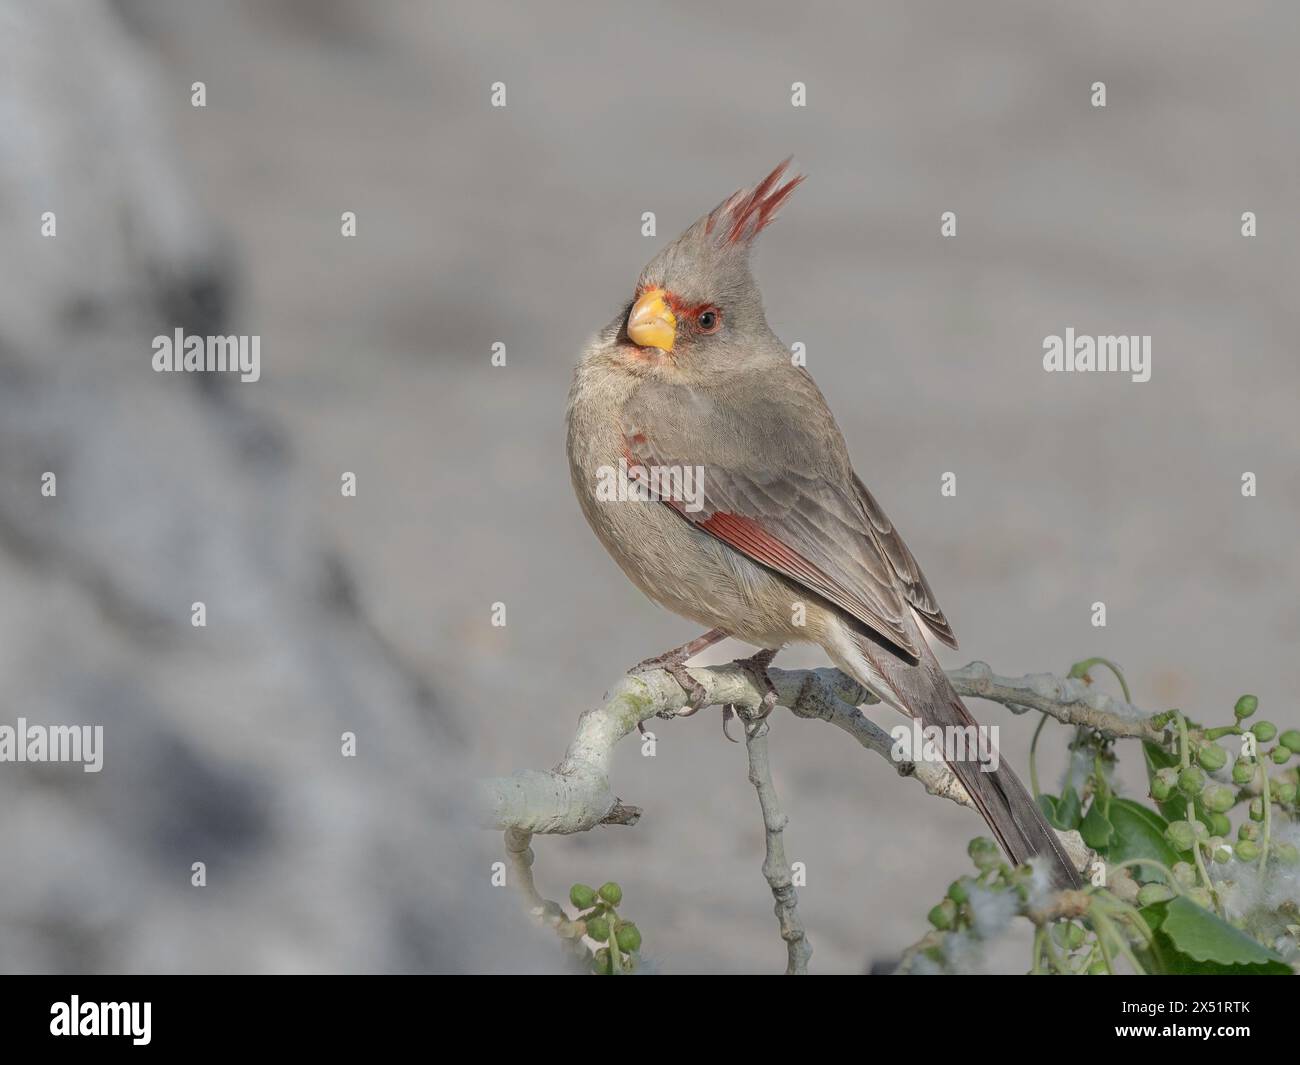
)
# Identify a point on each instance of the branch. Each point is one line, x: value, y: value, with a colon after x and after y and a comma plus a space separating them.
x: 1069, y: 700
x: 776, y: 869
x: 520, y: 854
x: 576, y: 795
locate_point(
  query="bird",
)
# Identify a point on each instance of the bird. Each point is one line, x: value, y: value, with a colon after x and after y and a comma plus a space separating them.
x: 782, y: 542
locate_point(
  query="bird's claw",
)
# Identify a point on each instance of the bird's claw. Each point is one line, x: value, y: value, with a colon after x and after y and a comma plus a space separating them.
x: 728, y: 713
x: 672, y: 664
x: 756, y: 666
x: 696, y: 696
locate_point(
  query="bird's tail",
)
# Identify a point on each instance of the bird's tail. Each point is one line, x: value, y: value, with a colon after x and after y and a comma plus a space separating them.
x: 923, y: 690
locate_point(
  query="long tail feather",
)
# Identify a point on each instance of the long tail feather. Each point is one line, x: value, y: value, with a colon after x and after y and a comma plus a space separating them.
x: 1012, y: 815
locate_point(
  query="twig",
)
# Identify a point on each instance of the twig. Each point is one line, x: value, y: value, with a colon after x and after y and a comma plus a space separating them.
x: 520, y: 853
x: 776, y: 869
x: 1071, y: 701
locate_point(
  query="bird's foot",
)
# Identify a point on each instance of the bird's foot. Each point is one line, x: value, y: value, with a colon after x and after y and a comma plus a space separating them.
x: 674, y: 664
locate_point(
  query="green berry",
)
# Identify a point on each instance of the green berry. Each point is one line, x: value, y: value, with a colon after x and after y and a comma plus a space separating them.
x: 957, y: 891
x: 1246, y: 706
x: 603, y: 962
x: 1152, y: 893
x: 1257, y: 809
x: 1184, y: 873
x: 1290, y: 739
x: 1212, y: 756
x: 1220, y: 825
x: 582, y: 896
x: 1247, y: 850
x: 984, y: 853
x: 1219, y: 798
x: 1281, y: 754
x: 598, y: 929
x: 627, y: 936
x: 943, y: 915
x: 1287, y: 853
x: 1219, y: 850
x: 1180, y: 835
x: 1264, y: 730
x: 1191, y: 780
x: 611, y: 893
x: 1201, y: 896
x: 1249, y: 830
x: 1201, y: 830
x: 1243, y: 772
x: 1284, y: 791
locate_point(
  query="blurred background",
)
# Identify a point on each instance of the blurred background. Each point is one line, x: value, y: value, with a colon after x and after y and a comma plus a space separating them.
x: 522, y: 226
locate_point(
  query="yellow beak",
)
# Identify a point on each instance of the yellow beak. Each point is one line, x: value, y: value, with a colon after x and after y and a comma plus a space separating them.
x: 651, y: 324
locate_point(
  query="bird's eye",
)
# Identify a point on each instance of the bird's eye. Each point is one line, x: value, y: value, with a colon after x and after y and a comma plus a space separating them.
x: 708, y: 320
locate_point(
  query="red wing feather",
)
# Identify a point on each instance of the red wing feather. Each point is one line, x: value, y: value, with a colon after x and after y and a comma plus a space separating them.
x: 756, y: 543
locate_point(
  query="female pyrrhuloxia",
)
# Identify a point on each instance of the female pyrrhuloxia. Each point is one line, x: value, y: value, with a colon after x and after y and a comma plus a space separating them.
x: 783, y: 543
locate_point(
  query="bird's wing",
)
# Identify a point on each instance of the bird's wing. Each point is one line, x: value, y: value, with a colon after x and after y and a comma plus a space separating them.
x: 915, y: 588
x: 783, y: 494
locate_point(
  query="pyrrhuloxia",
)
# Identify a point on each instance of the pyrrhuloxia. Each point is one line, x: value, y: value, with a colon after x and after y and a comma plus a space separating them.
x: 785, y: 543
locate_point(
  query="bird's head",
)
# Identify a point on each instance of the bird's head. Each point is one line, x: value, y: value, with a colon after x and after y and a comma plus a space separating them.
x: 696, y: 308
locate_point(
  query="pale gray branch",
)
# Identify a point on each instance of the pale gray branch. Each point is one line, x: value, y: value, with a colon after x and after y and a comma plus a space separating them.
x: 520, y: 853
x: 776, y: 869
x: 576, y: 795
x: 1069, y: 700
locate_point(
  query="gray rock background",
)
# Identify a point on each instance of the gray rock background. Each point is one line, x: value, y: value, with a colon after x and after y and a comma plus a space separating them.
x: 522, y: 226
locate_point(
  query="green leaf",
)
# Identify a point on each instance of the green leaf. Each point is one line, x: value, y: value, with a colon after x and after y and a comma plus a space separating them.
x: 1163, y: 956
x: 1096, y: 830
x: 1047, y: 803
x: 1139, y: 832
x: 1205, y: 937
x: 1175, y: 807
x: 1068, y: 809
x: 1168, y: 960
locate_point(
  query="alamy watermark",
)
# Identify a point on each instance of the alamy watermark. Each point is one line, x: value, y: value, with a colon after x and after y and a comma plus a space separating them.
x: 915, y: 742
x: 196, y: 354
x: 1080, y: 354
x: 53, y: 743
x: 133, y: 1019
x: 642, y: 484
